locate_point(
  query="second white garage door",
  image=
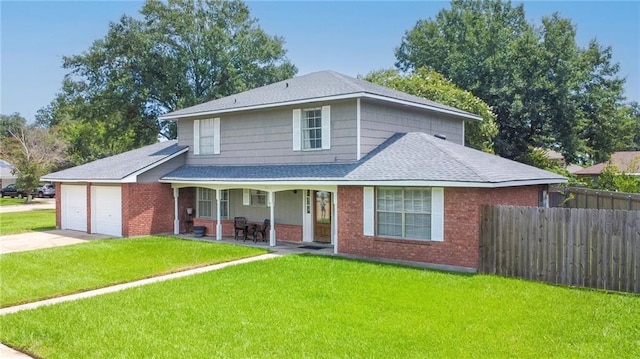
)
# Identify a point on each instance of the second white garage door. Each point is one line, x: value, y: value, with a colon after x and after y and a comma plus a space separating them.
x: 106, y: 210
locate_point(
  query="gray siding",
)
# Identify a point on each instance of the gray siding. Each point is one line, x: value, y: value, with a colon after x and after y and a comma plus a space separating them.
x: 154, y: 174
x: 381, y: 120
x: 288, y: 208
x: 266, y: 137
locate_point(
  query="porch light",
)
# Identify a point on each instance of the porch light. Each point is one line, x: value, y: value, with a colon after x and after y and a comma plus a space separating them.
x: 189, y: 211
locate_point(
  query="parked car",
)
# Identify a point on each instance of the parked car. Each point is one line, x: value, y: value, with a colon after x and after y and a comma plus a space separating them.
x: 12, y: 191
x: 45, y: 190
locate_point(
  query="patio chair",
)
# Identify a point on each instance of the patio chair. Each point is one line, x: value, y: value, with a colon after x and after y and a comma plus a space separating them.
x: 262, y: 230
x: 240, y: 225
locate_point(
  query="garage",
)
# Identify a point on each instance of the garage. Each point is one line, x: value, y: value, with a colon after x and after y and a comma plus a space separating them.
x: 106, y: 210
x: 74, y: 207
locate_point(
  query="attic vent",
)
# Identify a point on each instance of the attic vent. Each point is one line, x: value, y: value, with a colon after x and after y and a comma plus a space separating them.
x: 440, y: 136
x: 235, y: 100
x: 286, y: 85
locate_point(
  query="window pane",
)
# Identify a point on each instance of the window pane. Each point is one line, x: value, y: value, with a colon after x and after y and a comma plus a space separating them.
x: 418, y: 226
x: 390, y: 224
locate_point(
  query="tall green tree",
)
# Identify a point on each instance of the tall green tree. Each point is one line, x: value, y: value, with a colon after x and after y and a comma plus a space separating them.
x: 179, y: 53
x: 33, y: 151
x: 537, y: 80
x: 433, y: 86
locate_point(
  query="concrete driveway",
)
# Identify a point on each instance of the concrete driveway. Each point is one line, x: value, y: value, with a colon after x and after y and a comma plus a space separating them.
x: 37, y: 240
x: 38, y: 203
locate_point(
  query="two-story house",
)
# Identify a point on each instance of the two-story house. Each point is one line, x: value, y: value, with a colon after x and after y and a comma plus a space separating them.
x: 325, y: 157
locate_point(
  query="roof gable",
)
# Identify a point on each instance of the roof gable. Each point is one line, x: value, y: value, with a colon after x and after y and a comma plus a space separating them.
x: 317, y: 86
x: 116, y: 168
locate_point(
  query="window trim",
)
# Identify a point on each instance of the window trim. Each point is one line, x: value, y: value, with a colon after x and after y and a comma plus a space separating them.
x: 304, y: 129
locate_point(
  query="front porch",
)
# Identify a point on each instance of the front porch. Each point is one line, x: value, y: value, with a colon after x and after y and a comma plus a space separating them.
x: 303, y: 216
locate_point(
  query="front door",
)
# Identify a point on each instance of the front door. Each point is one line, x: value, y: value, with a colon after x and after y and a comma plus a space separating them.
x: 322, y: 216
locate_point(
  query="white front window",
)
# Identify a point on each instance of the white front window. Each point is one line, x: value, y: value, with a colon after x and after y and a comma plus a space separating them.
x: 205, y: 203
x: 258, y: 198
x: 404, y: 212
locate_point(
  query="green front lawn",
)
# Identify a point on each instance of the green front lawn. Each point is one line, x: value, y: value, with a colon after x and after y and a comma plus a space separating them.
x: 320, y: 307
x: 52, y: 272
x: 20, y: 222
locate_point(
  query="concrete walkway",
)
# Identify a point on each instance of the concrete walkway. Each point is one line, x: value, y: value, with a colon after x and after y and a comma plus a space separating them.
x: 9, y: 353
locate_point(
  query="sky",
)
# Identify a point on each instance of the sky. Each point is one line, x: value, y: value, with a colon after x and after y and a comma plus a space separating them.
x: 350, y: 37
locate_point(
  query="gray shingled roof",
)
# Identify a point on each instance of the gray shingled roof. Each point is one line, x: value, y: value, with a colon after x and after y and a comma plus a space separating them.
x: 422, y: 157
x: 309, y: 172
x: 119, y: 166
x: 404, y: 157
x: 306, y: 88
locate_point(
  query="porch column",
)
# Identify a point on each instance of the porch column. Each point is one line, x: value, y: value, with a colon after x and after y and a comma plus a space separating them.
x: 218, y: 217
x: 272, y: 227
x: 176, y: 218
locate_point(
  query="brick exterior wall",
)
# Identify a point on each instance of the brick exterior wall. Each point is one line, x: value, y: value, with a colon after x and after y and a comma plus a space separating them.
x: 58, y: 205
x: 461, y: 245
x: 147, y: 208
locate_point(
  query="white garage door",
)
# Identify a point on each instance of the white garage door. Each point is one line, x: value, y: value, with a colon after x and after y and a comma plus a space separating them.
x: 74, y: 207
x: 106, y: 210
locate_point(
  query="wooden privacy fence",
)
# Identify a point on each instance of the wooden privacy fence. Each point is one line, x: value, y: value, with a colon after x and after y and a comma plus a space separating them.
x: 577, y: 197
x: 569, y: 246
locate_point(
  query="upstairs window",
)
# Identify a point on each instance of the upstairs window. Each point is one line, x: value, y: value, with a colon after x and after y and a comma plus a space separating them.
x: 312, y: 129
x: 206, y: 136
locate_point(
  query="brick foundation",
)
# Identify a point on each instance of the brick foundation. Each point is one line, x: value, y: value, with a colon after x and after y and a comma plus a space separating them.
x: 461, y: 245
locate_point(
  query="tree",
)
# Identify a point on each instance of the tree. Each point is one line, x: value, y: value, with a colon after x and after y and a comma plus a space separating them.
x: 433, y: 86
x: 181, y: 53
x: 11, y: 123
x: 34, y: 152
x: 536, y: 79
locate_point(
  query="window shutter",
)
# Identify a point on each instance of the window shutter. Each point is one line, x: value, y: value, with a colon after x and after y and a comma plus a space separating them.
x: 216, y: 135
x: 326, y: 127
x: 297, y: 136
x: 246, y: 197
x: 367, y: 213
x: 437, y: 214
x: 196, y: 137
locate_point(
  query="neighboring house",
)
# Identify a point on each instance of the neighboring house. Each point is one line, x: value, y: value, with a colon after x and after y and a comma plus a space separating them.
x: 626, y: 161
x: 7, y: 176
x: 326, y: 157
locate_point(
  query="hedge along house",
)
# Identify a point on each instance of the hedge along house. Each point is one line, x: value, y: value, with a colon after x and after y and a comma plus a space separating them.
x: 326, y: 158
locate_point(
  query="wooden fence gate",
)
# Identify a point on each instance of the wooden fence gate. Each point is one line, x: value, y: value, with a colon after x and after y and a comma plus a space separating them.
x: 569, y: 246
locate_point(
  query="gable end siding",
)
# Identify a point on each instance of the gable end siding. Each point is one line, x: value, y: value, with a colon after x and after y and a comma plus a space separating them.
x: 380, y: 121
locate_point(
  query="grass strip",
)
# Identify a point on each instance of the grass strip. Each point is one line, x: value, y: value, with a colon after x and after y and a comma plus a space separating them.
x: 307, y: 306
x: 46, y: 273
x: 27, y: 221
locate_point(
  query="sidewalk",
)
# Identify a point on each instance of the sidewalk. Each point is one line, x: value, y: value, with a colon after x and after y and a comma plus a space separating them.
x: 8, y: 353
